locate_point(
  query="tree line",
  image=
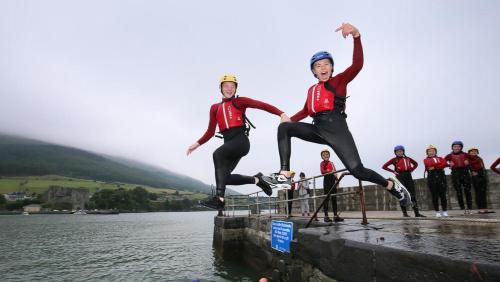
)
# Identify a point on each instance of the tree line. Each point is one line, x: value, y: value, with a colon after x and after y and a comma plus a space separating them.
x: 123, y: 200
x: 138, y: 200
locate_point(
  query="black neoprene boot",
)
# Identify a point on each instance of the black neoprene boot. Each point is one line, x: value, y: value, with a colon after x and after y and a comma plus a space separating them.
x: 418, y: 214
x: 405, y: 213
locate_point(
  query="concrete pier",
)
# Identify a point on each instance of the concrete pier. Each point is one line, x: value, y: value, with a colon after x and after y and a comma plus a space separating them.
x: 387, y: 249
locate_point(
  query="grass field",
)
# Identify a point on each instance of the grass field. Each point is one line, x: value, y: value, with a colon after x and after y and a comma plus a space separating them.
x: 40, y: 184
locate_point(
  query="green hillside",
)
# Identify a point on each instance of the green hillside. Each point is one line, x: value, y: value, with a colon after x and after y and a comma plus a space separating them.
x: 40, y: 184
x: 20, y: 157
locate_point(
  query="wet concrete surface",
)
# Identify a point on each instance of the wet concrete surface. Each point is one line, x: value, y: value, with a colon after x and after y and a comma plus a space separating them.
x: 473, y: 238
x: 389, y: 248
x: 473, y: 242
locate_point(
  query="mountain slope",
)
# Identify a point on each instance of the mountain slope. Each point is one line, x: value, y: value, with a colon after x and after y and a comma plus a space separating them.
x: 22, y: 157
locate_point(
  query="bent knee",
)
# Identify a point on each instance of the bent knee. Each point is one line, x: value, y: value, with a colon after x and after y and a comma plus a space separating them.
x: 360, y: 172
x: 284, y: 126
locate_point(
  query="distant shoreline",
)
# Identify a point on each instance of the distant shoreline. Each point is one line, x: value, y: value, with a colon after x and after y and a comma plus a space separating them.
x: 95, y: 212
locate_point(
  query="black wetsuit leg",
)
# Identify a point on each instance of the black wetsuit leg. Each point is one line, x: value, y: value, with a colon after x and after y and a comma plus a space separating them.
x: 226, y: 157
x: 480, y: 183
x: 462, y: 184
x: 436, y: 181
x: 442, y: 191
x: 287, y: 130
x: 407, y: 180
x: 330, y: 129
x: 328, y: 181
x: 455, y: 178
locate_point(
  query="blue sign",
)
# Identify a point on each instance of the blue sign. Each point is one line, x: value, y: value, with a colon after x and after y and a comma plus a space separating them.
x: 281, y: 235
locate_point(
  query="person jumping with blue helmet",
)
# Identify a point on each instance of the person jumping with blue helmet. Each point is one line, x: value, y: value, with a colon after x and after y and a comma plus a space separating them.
x: 325, y: 103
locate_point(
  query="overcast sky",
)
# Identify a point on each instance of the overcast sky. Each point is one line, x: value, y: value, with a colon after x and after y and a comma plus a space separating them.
x: 137, y: 78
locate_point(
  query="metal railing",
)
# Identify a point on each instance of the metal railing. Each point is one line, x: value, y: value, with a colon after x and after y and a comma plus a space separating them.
x: 272, y: 203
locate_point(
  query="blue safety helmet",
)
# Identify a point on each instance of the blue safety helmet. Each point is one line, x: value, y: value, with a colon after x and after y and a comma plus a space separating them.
x: 457, y: 143
x: 399, y: 147
x: 320, y: 56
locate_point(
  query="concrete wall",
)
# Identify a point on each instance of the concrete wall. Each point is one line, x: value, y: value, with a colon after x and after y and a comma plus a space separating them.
x: 379, y: 200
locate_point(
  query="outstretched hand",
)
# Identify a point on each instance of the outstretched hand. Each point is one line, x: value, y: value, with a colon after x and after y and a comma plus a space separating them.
x: 347, y: 29
x: 192, y: 148
x: 285, y: 118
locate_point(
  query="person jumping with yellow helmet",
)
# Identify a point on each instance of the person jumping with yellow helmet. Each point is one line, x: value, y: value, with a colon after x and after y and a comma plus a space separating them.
x: 229, y: 116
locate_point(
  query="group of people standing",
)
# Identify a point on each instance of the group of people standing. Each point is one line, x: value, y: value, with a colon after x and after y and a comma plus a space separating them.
x: 467, y: 171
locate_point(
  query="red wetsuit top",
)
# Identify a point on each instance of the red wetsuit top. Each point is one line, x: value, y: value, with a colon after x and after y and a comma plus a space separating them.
x: 326, y: 167
x: 435, y: 163
x: 476, y: 163
x: 229, y: 114
x: 494, y: 166
x: 401, y: 164
x: 319, y: 99
x: 458, y: 160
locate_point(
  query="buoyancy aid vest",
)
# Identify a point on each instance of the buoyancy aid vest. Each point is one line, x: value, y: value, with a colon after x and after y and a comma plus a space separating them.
x: 323, y: 97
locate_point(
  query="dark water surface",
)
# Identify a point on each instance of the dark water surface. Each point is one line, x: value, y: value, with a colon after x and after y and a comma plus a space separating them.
x: 124, y: 247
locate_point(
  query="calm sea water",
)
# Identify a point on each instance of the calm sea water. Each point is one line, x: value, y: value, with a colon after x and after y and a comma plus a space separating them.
x: 125, y: 247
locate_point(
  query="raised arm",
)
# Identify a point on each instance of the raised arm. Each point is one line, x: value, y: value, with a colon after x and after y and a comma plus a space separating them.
x: 357, y: 57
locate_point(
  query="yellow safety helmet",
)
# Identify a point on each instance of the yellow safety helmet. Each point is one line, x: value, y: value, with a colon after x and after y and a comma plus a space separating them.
x: 431, y: 147
x: 324, y: 150
x: 292, y: 173
x: 228, y: 78
x: 473, y: 148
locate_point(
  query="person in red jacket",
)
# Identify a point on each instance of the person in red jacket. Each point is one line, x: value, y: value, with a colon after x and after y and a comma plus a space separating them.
x: 460, y: 175
x: 403, y: 167
x: 326, y: 167
x: 478, y: 177
x: 436, y: 180
x: 494, y: 166
x: 229, y: 116
x: 325, y: 103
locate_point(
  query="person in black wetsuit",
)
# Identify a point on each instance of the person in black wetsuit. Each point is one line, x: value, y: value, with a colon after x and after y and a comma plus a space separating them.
x: 229, y: 116
x: 403, y: 167
x: 325, y: 103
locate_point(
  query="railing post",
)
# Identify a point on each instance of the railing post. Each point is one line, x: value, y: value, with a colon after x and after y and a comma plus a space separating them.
x: 362, y: 203
x: 270, y: 207
x: 257, y: 204
x: 314, y: 193
x: 232, y: 199
x: 248, y: 203
x: 286, y: 201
